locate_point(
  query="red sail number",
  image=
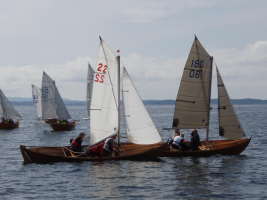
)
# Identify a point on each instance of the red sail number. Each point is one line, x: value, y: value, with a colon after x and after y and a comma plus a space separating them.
x: 100, y: 66
x: 101, y: 78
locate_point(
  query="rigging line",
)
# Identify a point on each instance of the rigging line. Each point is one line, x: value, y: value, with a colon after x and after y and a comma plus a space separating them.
x: 109, y: 75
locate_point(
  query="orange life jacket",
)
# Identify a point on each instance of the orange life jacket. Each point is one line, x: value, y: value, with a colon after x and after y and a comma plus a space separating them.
x: 98, y: 148
x: 75, y: 143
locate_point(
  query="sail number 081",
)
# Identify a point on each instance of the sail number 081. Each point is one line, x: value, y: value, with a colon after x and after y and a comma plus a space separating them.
x: 100, y: 78
x: 196, y: 64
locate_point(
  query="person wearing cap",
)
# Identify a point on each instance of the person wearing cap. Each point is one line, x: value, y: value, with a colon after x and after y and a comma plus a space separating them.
x: 109, y: 146
x: 195, y: 140
x: 76, y: 144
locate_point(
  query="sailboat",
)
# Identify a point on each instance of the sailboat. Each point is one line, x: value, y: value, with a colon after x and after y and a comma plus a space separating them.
x: 192, y: 108
x: 105, y: 118
x: 8, y: 113
x: 36, y: 97
x: 53, y: 106
x: 89, y: 89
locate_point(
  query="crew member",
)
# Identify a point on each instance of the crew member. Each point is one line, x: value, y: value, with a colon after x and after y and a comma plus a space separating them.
x: 178, y: 143
x: 195, y: 140
x: 97, y: 150
x: 108, y: 146
x: 76, y: 144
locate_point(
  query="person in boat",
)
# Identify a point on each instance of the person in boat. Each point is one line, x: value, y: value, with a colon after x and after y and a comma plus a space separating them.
x: 97, y: 150
x: 195, y: 140
x: 179, y: 144
x: 175, y: 133
x: 3, y: 120
x: 10, y: 121
x: 109, y: 146
x: 76, y: 144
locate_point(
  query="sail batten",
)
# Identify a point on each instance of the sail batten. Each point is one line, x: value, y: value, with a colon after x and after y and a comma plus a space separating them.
x: 229, y: 124
x: 139, y: 126
x: 104, y: 103
x: 36, y: 96
x: 192, y: 102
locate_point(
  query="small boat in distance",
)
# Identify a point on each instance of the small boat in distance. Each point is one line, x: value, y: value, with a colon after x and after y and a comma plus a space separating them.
x: 36, y: 97
x: 8, y: 113
x: 105, y: 119
x: 192, y: 109
x: 53, y: 107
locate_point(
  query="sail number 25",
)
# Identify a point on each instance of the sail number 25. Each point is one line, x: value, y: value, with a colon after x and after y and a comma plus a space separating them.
x: 196, y: 64
x: 100, y: 78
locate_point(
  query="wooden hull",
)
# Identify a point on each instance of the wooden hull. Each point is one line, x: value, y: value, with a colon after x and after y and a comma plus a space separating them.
x: 60, y: 154
x: 63, y: 127
x: 222, y: 147
x: 9, y: 126
x: 49, y: 121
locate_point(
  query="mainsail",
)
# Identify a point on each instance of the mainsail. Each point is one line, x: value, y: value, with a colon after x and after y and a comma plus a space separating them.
x: 139, y: 125
x: 89, y: 89
x: 7, y: 110
x: 104, y: 113
x: 48, y: 98
x: 193, y: 100
x: 229, y: 124
x: 36, y: 96
x: 62, y: 112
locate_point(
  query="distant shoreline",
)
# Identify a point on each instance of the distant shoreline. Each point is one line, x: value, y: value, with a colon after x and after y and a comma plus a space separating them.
x: 157, y: 102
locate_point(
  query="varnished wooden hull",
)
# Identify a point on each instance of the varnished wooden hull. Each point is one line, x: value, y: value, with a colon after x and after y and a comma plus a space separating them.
x: 63, y: 127
x: 60, y: 154
x: 49, y: 121
x: 9, y: 126
x: 222, y: 147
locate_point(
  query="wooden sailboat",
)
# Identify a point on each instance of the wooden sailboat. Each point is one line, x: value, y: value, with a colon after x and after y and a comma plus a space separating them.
x: 8, y: 113
x: 192, y: 109
x: 53, y: 107
x: 104, y: 119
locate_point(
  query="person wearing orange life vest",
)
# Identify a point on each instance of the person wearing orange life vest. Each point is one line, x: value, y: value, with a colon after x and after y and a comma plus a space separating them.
x: 76, y: 144
x: 97, y: 150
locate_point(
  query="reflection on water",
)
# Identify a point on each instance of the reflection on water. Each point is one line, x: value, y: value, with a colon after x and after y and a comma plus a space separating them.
x: 242, y: 176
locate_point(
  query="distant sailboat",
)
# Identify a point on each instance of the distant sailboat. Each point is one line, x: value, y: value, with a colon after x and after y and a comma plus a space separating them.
x: 36, y: 97
x: 105, y: 118
x: 53, y: 106
x: 192, y: 109
x: 8, y: 113
x: 89, y: 89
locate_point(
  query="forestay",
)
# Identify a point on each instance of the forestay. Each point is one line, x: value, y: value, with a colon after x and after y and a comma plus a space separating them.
x: 48, y: 98
x: 229, y: 124
x: 36, y: 97
x: 139, y: 125
x: 193, y: 99
x: 90, y: 78
x: 105, y: 102
x: 7, y: 110
x: 62, y: 112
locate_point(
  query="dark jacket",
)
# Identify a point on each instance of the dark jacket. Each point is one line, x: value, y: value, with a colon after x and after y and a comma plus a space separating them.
x: 195, y: 141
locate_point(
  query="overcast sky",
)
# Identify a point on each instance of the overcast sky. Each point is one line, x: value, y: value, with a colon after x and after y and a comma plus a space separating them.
x: 154, y: 37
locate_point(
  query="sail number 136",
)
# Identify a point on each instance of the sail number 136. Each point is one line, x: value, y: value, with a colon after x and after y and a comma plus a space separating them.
x: 101, y: 68
x: 196, y: 64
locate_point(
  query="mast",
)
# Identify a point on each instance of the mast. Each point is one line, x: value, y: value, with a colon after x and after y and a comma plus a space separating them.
x: 208, y: 125
x: 118, y: 59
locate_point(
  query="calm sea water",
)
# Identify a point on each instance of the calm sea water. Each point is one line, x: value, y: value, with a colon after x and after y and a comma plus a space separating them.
x: 236, y: 177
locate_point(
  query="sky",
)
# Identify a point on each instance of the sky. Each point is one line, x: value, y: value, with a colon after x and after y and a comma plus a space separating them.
x: 154, y: 37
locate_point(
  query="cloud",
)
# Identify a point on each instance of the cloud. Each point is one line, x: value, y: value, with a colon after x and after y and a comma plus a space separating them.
x: 243, y: 71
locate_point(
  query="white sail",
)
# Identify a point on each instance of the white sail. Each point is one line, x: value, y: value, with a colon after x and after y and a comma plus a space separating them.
x: 8, y: 111
x: 193, y: 99
x: 105, y: 103
x: 229, y: 124
x: 89, y: 89
x: 139, y: 125
x: 62, y: 112
x: 1, y: 110
x: 36, y: 96
x: 48, y: 98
